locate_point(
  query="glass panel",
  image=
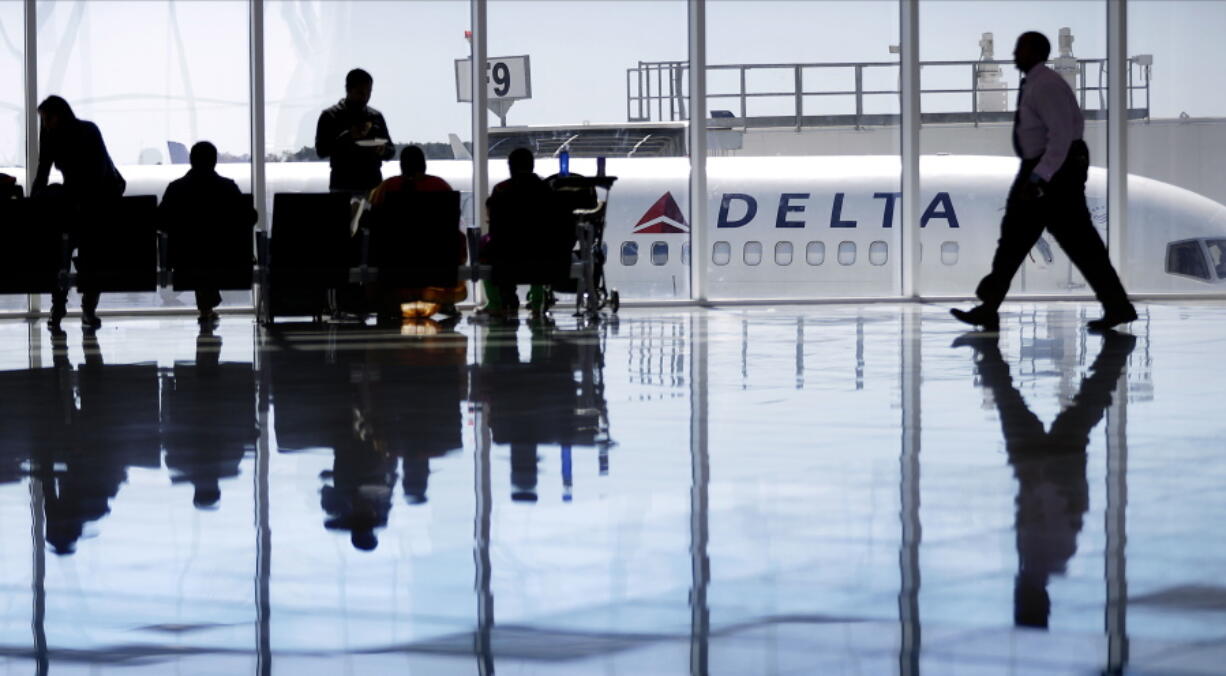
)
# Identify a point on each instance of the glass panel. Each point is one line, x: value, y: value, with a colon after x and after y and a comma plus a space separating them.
x: 847, y: 253
x: 12, y: 111
x: 783, y: 253
x: 815, y: 253
x: 1176, y: 145
x: 608, y: 79
x: 630, y: 253
x: 409, y: 49
x: 968, y: 161
x: 803, y: 139
x: 155, y: 77
x: 753, y: 253
x: 659, y: 253
x: 721, y: 253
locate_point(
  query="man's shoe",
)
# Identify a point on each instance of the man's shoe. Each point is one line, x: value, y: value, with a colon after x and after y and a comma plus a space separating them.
x: 90, y: 320
x: 57, y: 316
x: 1112, y: 318
x: 976, y: 340
x: 978, y: 316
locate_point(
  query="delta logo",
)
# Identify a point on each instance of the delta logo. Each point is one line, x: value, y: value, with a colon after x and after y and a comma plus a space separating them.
x: 662, y: 218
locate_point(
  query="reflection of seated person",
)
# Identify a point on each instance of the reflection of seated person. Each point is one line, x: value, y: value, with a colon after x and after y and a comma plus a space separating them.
x: 200, y: 200
x: 209, y: 422
x: 427, y: 301
x: 539, y: 402
x: 523, y: 207
x: 1050, y: 466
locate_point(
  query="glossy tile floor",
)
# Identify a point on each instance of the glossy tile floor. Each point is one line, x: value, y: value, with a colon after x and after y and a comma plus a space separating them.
x: 799, y: 490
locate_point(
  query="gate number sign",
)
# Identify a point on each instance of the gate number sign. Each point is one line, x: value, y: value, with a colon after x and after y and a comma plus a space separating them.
x: 508, y: 78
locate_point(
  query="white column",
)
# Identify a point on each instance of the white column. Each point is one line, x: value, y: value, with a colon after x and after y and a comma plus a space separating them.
x: 699, y: 241
x: 258, y: 147
x: 910, y: 131
x: 1117, y: 133
x: 480, y: 119
x: 30, y: 56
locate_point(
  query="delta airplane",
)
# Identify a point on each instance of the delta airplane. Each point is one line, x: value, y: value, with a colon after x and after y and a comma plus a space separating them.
x: 828, y: 226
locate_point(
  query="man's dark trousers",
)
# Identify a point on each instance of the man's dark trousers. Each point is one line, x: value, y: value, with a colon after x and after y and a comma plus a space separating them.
x: 1063, y: 212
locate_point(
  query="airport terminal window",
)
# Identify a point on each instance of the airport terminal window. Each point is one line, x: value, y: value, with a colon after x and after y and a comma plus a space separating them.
x: 753, y: 253
x: 659, y: 253
x: 815, y: 253
x: 630, y: 253
x: 783, y: 253
x: 847, y: 253
x: 949, y: 253
x: 878, y: 253
x: 1186, y: 258
x: 721, y: 253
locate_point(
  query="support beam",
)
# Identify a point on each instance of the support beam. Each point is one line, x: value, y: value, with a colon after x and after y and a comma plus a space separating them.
x: 1117, y: 134
x: 259, y: 191
x: 699, y: 244
x: 480, y: 117
x: 30, y: 58
x: 909, y: 91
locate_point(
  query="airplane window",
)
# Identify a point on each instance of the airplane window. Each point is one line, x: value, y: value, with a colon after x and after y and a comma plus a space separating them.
x: 1186, y: 258
x: 1217, y: 255
x: 783, y: 253
x: 878, y: 253
x: 949, y: 253
x: 847, y: 253
x: 753, y: 253
x: 815, y: 253
x: 659, y: 253
x: 721, y: 253
x: 630, y: 253
x: 685, y: 253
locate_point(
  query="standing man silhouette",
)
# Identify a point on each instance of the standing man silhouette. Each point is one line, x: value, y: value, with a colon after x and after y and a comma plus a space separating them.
x: 1049, y: 192
x: 92, y: 186
x: 354, y: 138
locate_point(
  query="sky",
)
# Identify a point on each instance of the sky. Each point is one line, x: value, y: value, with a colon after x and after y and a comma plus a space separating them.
x: 149, y: 71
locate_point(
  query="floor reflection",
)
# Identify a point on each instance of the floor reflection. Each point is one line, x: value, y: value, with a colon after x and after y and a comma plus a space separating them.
x: 1049, y: 464
x: 795, y: 491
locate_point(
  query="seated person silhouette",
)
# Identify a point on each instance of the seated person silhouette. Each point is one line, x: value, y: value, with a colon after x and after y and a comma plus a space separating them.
x: 191, y: 206
x: 427, y: 301
x: 1050, y: 466
x: 529, y: 233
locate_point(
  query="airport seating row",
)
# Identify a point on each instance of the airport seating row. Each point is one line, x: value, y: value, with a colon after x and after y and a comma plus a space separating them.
x: 313, y: 249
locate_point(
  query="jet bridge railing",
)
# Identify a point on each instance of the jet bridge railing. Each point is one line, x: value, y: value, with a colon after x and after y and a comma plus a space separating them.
x: 656, y: 91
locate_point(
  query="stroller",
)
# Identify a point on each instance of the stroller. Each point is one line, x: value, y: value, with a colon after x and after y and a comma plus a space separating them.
x: 587, y: 198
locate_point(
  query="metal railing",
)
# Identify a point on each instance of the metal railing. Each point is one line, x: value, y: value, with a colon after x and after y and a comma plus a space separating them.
x: 657, y: 91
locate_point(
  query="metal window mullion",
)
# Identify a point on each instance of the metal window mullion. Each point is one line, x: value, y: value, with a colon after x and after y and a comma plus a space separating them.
x: 698, y: 149
x: 259, y: 186
x: 1117, y: 134
x: 910, y: 145
x: 30, y: 59
x: 480, y: 119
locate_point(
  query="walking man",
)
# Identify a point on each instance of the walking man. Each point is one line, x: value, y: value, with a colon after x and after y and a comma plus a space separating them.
x: 1049, y: 192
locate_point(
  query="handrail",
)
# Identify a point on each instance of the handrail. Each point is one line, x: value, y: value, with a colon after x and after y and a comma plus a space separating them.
x: 656, y: 90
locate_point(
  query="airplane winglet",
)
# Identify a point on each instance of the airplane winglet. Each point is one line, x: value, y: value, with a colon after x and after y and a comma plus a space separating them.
x: 458, y: 151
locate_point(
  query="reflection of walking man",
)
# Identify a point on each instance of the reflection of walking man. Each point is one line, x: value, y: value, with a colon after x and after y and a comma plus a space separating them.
x: 1050, y: 466
x: 1049, y: 191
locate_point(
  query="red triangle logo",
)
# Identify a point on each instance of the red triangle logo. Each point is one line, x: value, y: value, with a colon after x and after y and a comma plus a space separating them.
x: 663, y: 217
